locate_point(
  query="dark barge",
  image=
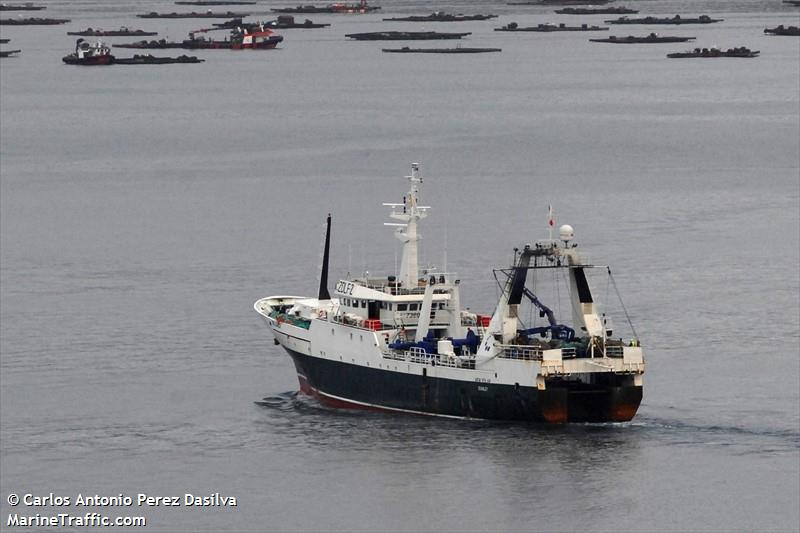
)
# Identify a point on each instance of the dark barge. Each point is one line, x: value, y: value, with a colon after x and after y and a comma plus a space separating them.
x: 192, y: 15
x: 513, y: 26
x: 147, y: 59
x: 33, y: 21
x: 457, y: 50
x: 783, y: 30
x: 440, y: 16
x: 677, y: 19
x: 122, y: 32
x: 652, y: 38
x: 596, y: 11
x: 405, y: 35
x: 740, y: 51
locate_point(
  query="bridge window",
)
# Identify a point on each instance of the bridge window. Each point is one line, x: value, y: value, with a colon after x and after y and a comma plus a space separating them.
x: 412, y: 307
x: 402, y: 307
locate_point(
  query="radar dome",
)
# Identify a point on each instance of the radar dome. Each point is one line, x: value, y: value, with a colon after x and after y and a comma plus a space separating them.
x: 566, y: 233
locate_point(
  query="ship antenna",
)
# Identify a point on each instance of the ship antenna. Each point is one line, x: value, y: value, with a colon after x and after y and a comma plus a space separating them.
x: 406, y: 229
x: 323, y: 279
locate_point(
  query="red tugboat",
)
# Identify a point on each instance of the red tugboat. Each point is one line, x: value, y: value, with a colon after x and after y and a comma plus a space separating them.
x: 256, y: 38
x: 89, y: 54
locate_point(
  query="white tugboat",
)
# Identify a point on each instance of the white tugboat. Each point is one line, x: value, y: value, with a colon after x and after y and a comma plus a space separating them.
x: 403, y: 343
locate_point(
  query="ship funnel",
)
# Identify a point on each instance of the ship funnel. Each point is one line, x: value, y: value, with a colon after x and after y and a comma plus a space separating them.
x: 323, y: 278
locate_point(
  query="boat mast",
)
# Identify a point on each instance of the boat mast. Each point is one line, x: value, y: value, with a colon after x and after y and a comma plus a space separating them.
x: 323, y: 278
x: 406, y: 231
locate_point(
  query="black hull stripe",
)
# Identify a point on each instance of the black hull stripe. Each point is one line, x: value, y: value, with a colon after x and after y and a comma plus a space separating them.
x: 368, y: 387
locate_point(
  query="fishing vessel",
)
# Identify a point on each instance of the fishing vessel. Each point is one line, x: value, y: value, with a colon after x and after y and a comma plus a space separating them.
x: 89, y: 54
x: 259, y: 38
x: 403, y: 343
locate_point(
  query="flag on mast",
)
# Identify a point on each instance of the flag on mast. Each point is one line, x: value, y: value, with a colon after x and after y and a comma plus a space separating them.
x: 551, y: 220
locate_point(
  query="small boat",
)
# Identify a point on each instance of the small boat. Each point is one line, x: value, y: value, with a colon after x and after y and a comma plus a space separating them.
x: 33, y: 21
x: 9, y: 53
x: 596, y: 11
x: 21, y: 7
x: 677, y: 19
x: 89, y: 54
x: 457, y: 50
x: 513, y: 26
x: 405, y: 35
x: 741, y: 51
x: 783, y: 30
x: 4, y: 41
x: 193, y: 15
x: 403, y: 343
x: 795, y: 3
x: 216, y: 3
x: 147, y: 59
x: 254, y: 39
x: 440, y: 16
x: 287, y: 22
x: 122, y: 32
x: 161, y: 44
x: 359, y: 8
x: 652, y: 38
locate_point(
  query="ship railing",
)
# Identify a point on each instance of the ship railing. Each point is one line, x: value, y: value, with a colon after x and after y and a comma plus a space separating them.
x: 354, y: 324
x: 416, y: 354
x: 614, y: 351
x: 529, y: 353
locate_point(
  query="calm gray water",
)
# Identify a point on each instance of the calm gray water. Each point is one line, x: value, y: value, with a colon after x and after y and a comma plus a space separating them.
x: 144, y: 210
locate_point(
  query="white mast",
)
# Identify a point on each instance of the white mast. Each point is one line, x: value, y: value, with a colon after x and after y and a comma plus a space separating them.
x: 409, y: 212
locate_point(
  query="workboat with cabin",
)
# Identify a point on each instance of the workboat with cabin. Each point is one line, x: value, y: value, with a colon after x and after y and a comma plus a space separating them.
x: 403, y: 343
x: 251, y: 38
x: 90, y: 54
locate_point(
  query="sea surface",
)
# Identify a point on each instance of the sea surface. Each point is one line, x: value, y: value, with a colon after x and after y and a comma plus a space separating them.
x: 143, y: 209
